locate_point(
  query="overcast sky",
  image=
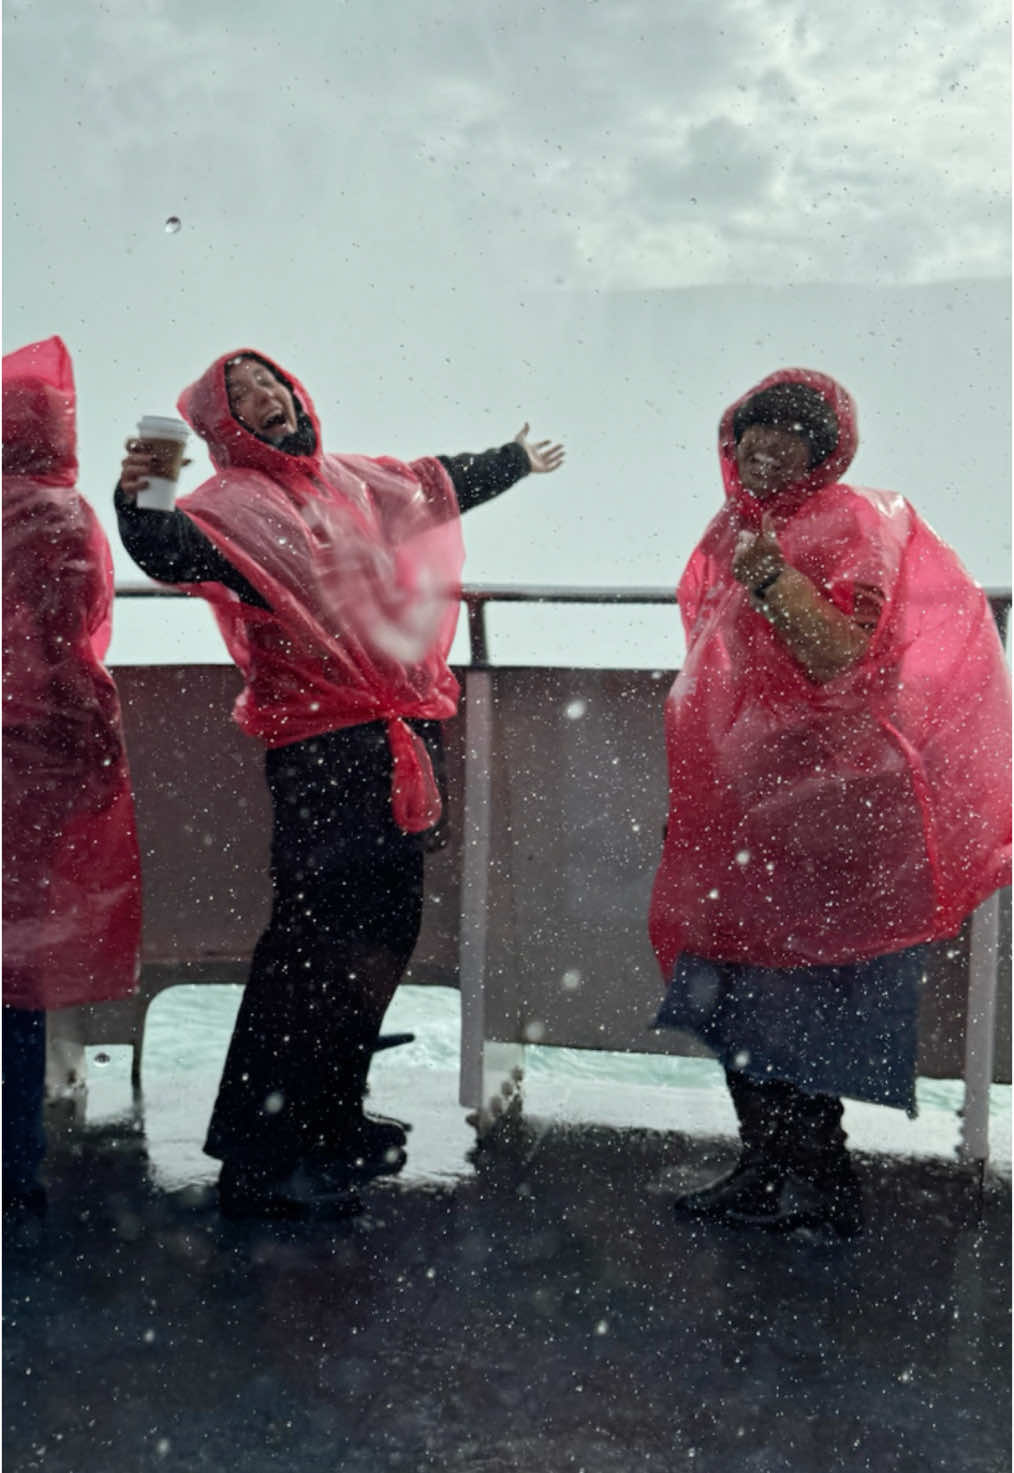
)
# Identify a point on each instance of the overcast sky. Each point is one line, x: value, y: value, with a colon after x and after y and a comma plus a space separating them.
x: 609, y: 218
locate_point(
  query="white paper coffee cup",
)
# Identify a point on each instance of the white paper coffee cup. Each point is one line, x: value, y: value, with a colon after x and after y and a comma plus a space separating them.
x: 165, y: 440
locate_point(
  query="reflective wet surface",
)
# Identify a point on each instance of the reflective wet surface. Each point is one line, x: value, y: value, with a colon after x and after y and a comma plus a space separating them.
x: 538, y: 1308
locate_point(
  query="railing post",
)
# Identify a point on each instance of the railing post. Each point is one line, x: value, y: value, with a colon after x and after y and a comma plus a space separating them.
x: 478, y: 646
x: 477, y: 826
x: 980, y: 1030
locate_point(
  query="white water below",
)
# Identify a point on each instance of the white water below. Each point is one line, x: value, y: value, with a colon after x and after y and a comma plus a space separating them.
x: 188, y: 1032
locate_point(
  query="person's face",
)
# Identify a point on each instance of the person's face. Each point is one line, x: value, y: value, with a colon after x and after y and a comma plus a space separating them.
x: 259, y: 401
x: 769, y: 459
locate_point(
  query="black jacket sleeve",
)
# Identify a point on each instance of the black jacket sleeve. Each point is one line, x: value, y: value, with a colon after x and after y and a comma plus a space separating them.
x: 478, y: 478
x: 168, y: 546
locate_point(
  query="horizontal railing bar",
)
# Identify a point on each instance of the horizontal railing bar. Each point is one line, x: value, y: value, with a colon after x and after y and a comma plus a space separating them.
x: 481, y: 593
x: 478, y: 596
x: 521, y: 593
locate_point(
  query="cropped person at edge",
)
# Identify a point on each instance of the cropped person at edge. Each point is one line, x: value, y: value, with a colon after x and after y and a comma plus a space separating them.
x: 71, y: 866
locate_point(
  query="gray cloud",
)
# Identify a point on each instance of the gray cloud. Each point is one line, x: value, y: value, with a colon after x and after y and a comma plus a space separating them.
x: 539, y: 143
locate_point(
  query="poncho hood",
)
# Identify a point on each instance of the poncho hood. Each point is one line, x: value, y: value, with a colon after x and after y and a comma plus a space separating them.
x: 39, y: 434
x: 358, y: 562
x: 71, y: 868
x: 816, y: 825
x: 744, y: 504
x: 205, y: 407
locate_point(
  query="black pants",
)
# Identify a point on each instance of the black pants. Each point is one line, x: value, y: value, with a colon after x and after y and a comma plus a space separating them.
x: 782, y: 1124
x: 348, y: 892
x: 24, y: 1083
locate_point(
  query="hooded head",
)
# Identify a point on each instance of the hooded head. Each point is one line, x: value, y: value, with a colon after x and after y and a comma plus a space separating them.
x: 39, y: 432
x: 254, y: 415
x: 804, y: 420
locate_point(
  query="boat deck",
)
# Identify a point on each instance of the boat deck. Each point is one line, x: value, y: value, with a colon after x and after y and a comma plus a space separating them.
x: 538, y: 1308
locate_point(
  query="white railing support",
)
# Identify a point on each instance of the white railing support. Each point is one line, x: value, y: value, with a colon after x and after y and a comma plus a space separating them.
x: 476, y: 827
x: 980, y: 1030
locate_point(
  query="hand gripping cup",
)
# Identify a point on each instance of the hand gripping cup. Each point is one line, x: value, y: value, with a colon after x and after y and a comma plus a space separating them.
x: 164, y: 440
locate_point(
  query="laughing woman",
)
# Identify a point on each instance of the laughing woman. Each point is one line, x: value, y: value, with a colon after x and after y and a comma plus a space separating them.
x: 333, y: 579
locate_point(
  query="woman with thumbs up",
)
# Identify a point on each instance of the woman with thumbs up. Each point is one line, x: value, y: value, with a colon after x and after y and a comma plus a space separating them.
x: 839, y: 770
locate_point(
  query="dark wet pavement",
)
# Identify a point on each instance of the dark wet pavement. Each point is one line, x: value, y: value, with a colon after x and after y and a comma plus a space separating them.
x: 545, y: 1311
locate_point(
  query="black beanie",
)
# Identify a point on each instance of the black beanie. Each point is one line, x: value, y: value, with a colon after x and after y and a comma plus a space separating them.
x: 795, y: 407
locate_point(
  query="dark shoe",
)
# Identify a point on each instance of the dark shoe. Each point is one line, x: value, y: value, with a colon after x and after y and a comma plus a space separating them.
x: 801, y: 1202
x: 793, y: 1203
x: 355, y: 1161
x: 842, y: 1199
x: 371, y: 1147
x: 299, y: 1197
x: 376, y: 1134
x: 751, y: 1187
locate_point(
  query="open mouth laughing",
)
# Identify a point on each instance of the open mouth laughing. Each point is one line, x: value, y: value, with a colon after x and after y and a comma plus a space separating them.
x: 275, y: 425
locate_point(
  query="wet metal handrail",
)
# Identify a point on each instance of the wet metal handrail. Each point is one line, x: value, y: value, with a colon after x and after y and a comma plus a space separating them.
x: 477, y: 596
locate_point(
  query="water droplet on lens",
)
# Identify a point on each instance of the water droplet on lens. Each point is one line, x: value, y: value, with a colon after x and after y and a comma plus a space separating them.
x: 173, y: 224
x: 101, y: 1059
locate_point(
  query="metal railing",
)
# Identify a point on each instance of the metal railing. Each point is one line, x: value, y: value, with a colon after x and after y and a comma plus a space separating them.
x: 503, y: 696
x: 478, y: 597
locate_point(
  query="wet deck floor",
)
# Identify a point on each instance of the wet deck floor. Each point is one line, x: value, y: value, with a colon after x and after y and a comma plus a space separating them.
x: 543, y: 1310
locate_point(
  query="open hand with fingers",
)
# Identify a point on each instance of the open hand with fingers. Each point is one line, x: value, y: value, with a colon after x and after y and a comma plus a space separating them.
x: 543, y: 455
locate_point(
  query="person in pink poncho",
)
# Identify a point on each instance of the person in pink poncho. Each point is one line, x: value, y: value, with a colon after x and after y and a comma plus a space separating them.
x: 839, y: 771
x: 334, y: 581
x: 71, y: 868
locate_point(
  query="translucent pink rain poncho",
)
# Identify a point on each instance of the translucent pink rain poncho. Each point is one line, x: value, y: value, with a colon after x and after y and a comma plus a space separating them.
x: 71, y: 872
x: 822, y: 824
x: 359, y: 561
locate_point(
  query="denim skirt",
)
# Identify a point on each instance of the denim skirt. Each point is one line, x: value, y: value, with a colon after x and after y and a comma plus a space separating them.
x: 848, y: 1030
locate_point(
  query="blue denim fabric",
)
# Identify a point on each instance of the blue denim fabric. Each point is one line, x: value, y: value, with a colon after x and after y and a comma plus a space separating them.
x: 849, y: 1030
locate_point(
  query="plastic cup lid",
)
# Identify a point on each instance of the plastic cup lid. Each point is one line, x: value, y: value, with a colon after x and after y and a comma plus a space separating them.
x: 160, y: 427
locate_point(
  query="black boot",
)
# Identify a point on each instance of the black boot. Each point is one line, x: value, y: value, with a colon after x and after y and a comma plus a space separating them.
x: 754, y: 1184
x: 818, y: 1188
x: 747, y: 1188
x: 369, y: 1146
x: 352, y: 1144
x: 820, y: 1159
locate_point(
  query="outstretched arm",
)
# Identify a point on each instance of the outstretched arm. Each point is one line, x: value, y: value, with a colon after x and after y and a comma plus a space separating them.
x: 478, y: 478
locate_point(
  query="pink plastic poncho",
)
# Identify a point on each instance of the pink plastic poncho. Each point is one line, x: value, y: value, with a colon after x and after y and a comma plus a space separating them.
x: 360, y: 562
x: 822, y: 824
x: 71, y: 871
